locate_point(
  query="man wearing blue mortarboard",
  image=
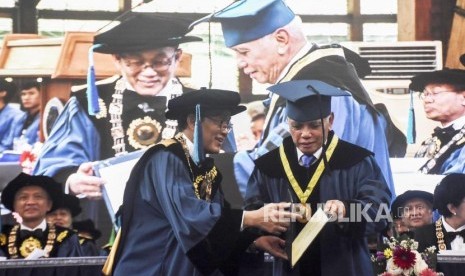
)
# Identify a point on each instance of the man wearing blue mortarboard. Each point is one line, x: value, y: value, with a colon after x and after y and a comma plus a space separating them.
x: 121, y: 114
x: 315, y: 166
x: 271, y: 48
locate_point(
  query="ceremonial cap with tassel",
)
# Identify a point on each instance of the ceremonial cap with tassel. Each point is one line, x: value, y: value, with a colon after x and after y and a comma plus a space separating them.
x: 202, y: 103
x: 248, y: 20
x: 138, y: 32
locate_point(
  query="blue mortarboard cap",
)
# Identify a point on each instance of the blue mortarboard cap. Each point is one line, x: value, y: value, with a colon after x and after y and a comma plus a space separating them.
x: 307, y: 100
x: 248, y: 20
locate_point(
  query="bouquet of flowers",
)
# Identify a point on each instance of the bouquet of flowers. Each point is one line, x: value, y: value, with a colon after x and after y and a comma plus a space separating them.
x: 401, y: 258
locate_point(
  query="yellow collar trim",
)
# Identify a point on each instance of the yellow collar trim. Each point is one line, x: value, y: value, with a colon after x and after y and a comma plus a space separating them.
x: 303, y: 196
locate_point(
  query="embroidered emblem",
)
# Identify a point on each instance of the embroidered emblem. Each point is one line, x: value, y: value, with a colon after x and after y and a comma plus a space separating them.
x: 143, y: 133
x: 62, y: 236
x: 28, y: 245
x: 2, y: 239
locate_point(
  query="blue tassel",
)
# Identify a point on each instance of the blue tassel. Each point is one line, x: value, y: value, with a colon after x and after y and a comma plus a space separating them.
x: 92, y: 92
x: 199, y: 154
x: 411, y: 128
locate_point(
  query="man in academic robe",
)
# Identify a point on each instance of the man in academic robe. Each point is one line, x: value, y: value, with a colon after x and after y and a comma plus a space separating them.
x: 313, y: 167
x: 271, y: 47
x: 443, y: 96
x: 175, y: 220
x: 8, y: 115
x: 32, y: 197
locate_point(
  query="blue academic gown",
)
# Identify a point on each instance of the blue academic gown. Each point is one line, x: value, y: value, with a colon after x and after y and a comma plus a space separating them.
x: 9, y: 117
x: 31, y: 133
x: 450, y: 156
x: 167, y: 229
x: 356, y: 119
x: 353, y: 178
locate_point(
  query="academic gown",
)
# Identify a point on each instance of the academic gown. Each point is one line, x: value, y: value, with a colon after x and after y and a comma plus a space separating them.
x: 78, y: 137
x: 353, y: 176
x: 453, y: 158
x: 426, y: 237
x: 167, y: 230
x: 31, y: 133
x: 8, y: 116
x: 356, y: 119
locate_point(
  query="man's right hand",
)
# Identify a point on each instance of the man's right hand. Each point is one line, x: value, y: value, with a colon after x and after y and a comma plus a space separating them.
x: 83, y: 182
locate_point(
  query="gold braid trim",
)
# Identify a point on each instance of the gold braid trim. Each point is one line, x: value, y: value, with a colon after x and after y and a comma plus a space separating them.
x: 13, y: 250
x: 440, y: 235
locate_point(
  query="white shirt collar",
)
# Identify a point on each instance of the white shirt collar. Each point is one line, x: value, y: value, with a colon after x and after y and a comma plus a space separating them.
x: 457, y: 243
x: 299, y: 54
x: 457, y: 123
x: 42, y: 225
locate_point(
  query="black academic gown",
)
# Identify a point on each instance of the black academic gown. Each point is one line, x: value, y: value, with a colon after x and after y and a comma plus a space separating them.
x: 353, y: 177
x: 65, y: 244
x: 426, y: 237
x: 167, y: 229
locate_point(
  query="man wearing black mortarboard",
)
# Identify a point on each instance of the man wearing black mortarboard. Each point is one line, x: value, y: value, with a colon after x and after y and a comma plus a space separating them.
x: 442, y: 93
x: 87, y: 234
x: 120, y: 114
x: 271, y: 47
x: 175, y: 220
x: 312, y: 166
x: 32, y: 196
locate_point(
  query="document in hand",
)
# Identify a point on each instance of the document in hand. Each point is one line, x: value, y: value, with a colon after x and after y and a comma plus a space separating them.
x: 115, y: 171
x: 307, y: 235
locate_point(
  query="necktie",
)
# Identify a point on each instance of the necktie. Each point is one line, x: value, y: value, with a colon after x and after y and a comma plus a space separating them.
x: 38, y: 233
x: 307, y: 160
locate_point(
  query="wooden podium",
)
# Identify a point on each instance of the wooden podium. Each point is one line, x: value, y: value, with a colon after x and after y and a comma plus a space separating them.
x: 60, y: 62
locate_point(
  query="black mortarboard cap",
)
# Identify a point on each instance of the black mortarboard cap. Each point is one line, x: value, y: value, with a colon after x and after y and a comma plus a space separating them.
x: 69, y: 202
x: 143, y: 32
x: 446, y: 76
x: 52, y: 187
x: 87, y: 226
x: 307, y: 100
x: 400, y: 201
x: 208, y: 99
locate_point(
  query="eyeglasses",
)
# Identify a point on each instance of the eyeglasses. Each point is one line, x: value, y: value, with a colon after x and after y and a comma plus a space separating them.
x: 222, y: 124
x: 159, y: 65
x: 431, y: 94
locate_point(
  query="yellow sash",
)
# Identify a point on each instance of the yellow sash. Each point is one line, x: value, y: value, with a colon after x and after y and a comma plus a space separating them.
x: 303, y: 196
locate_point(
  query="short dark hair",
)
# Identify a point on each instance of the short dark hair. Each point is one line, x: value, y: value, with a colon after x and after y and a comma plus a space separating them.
x: 29, y: 85
x: 451, y: 190
x: 10, y: 89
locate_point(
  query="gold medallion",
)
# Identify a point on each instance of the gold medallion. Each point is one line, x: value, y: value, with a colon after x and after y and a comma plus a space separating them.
x: 305, y: 210
x: 28, y: 245
x: 143, y: 133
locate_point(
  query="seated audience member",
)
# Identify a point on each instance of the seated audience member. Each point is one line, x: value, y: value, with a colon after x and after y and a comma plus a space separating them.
x: 448, y: 232
x: 27, y: 127
x: 67, y: 208
x: 414, y: 208
x: 443, y: 95
x: 8, y: 114
x: 32, y: 197
x: 88, y: 235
